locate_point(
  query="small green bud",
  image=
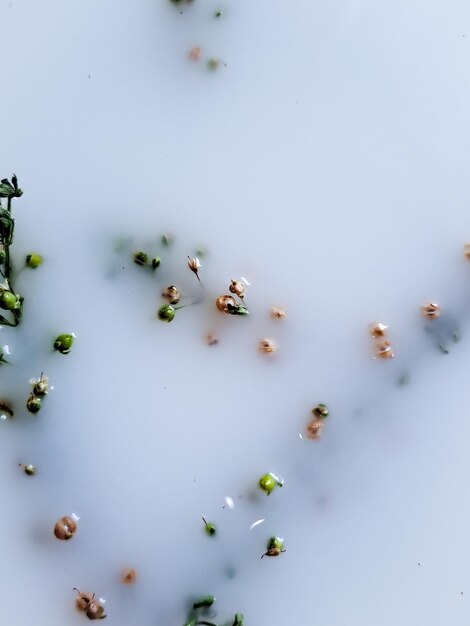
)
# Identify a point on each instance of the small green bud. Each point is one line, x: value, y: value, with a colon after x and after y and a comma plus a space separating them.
x: 33, y: 404
x: 29, y: 470
x: 321, y: 410
x: 3, y: 256
x: 166, y: 313
x: 34, y: 260
x: 63, y: 343
x: 269, y: 482
x: 237, y: 309
x: 8, y: 300
x: 218, y: 14
x: 141, y: 258
x: 156, y: 262
x: 213, y: 64
x: 210, y: 529
x: 239, y: 620
x: 204, y: 602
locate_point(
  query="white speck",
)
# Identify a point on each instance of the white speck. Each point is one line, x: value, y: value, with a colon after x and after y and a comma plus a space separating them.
x: 229, y: 502
x: 244, y: 280
x: 6, y: 349
x: 3, y: 416
x: 257, y: 523
x: 75, y: 517
x: 300, y: 436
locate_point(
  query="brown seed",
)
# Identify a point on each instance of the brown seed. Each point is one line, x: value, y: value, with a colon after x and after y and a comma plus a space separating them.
x: 314, y: 429
x: 129, y: 577
x: 278, y: 313
x: 223, y: 303
x: 237, y: 287
x: 267, y: 345
x: 378, y: 330
x: 65, y: 528
x: 384, y: 350
x: 172, y: 294
x: 432, y: 310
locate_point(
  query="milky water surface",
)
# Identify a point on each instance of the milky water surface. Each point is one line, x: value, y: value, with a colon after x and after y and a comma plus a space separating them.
x: 325, y: 160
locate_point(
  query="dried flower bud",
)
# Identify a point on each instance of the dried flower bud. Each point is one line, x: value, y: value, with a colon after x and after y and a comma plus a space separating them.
x: 278, y: 313
x: 63, y: 343
x: 34, y: 260
x: 237, y: 287
x: 172, y: 294
x: 275, y: 547
x: 267, y: 345
x: 314, y: 429
x: 223, y: 302
x: 166, y: 313
x: 33, y: 404
x: 65, y: 528
x: 378, y: 330
x: 384, y: 350
x: 431, y: 310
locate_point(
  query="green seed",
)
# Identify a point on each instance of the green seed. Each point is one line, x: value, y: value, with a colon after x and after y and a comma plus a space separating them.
x: 268, y: 482
x: 156, y: 262
x: 204, y: 602
x: 8, y: 300
x: 34, y: 260
x: 30, y: 470
x: 63, y: 343
x: 140, y: 258
x: 166, y: 313
x: 321, y: 410
x: 210, y: 529
x: 33, y: 404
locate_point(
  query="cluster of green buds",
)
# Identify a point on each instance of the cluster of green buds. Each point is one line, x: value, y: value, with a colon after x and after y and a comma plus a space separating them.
x: 275, y: 547
x: 144, y: 260
x: 195, y: 619
x: 268, y: 482
x: 63, y: 343
x: 315, y: 427
x: 41, y: 388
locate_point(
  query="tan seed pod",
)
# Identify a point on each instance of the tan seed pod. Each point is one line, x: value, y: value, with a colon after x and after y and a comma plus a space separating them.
x: 223, y: 303
x: 278, y: 313
x: 314, y: 429
x: 378, y: 330
x: 267, y: 346
x: 65, y: 528
x: 384, y: 350
x: 172, y: 294
x: 129, y: 577
x: 432, y: 310
x: 237, y: 287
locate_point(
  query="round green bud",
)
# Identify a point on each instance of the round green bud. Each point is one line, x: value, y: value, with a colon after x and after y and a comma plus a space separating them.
x: 156, y: 262
x: 268, y: 482
x: 275, y: 543
x: 321, y: 410
x: 166, y: 313
x: 8, y: 300
x: 141, y: 258
x: 63, y: 343
x: 33, y: 404
x: 210, y: 529
x: 34, y: 260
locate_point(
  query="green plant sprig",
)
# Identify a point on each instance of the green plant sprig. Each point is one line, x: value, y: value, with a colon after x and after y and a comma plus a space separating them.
x: 9, y: 300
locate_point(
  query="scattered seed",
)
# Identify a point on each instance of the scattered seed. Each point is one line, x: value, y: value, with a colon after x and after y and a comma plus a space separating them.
x: 267, y: 345
x: 432, y: 310
x: 209, y: 527
x: 223, y: 303
x: 212, y: 339
x: 237, y: 287
x: 378, y: 330
x: 321, y: 411
x: 29, y: 470
x: 63, y: 343
x: 129, y: 577
x: 275, y: 547
x: 384, y: 350
x: 33, y: 260
x: 172, y: 294
x: 88, y: 604
x: 195, y: 53
x: 65, y: 528
x: 33, y: 404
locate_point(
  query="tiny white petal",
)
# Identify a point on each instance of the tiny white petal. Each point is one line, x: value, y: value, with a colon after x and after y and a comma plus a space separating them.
x: 244, y: 280
x: 6, y: 349
x: 3, y: 416
x: 75, y: 517
x: 257, y: 523
x: 229, y: 502
x: 300, y: 436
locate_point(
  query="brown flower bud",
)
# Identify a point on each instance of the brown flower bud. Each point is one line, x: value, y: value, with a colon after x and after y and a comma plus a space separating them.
x: 223, y: 303
x: 378, y: 330
x: 384, y: 350
x: 237, y: 287
x: 65, y: 528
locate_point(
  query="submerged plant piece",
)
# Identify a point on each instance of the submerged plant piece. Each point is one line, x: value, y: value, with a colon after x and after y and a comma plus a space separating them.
x: 194, y: 265
x: 467, y: 250
x: 237, y: 309
x: 6, y: 409
x: 166, y: 240
x: 65, y: 528
x: 33, y: 260
x: 239, y: 620
x: 172, y: 294
x: 40, y: 385
x: 204, y: 602
x: 129, y: 577
x: 90, y: 605
x: 212, y: 339
x: 29, y: 470
x: 140, y: 258
x: 275, y: 547
x: 3, y: 351
x: 64, y: 343
x: 378, y: 330
x: 195, y: 53
x: 213, y: 64
x: 278, y: 313
x: 209, y: 528
x: 267, y: 346
x: 321, y: 411
x: 314, y: 429
x: 33, y: 404
x: 166, y: 313
x: 268, y: 482
x: 432, y: 310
